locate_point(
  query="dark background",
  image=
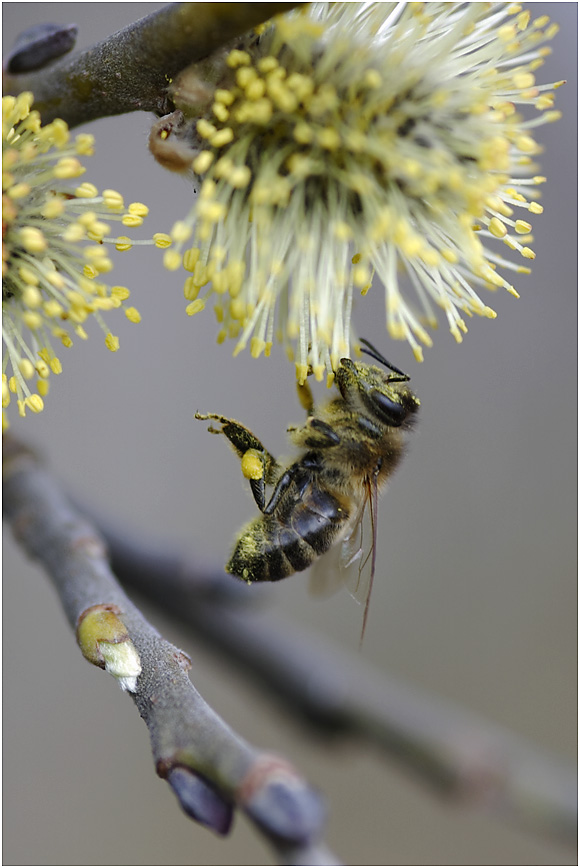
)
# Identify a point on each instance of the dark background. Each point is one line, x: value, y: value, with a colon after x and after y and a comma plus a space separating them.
x: 475, y: 597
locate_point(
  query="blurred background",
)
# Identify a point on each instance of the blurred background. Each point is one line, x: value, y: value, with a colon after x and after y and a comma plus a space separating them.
x: 475, y: 595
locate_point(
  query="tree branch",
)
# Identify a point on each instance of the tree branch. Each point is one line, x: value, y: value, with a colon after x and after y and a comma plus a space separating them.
x: 130, y: 70
x: 210, y: 768
x: 459, y: 754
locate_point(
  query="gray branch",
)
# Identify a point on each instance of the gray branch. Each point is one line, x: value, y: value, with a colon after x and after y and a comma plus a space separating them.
x: 130, y: 70
x: 459, y: 754
x: 210, y: 768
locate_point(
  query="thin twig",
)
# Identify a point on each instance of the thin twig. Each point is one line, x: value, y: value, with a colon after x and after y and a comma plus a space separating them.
x: 458, y: 753
x: 130, y: 70
x: 209, y: 767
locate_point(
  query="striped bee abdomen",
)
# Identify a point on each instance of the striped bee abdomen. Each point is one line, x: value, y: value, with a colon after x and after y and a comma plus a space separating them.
x: 303, y: 527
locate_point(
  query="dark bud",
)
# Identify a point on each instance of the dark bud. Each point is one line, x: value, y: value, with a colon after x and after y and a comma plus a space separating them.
x: 40, y: 45
x: 200, y: 800
x: 281, y: 803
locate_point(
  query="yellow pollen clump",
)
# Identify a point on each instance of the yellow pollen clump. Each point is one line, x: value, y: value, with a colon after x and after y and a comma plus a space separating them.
x: 252, y: 464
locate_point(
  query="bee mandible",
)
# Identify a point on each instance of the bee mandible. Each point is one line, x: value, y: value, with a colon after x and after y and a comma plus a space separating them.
x: 350, y: 446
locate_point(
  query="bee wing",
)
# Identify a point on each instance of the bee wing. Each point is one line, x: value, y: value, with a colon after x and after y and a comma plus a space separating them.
x: 359, y: 550
x: 352, y: 562
x: 326, y: 575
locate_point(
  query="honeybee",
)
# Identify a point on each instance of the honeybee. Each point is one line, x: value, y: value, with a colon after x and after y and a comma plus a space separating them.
x: 350, y: 446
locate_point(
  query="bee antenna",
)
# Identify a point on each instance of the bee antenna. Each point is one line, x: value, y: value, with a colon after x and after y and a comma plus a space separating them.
x: 372, y: 351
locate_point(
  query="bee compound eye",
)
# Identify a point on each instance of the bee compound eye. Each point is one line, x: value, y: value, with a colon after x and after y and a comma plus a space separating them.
x: 388, y: 410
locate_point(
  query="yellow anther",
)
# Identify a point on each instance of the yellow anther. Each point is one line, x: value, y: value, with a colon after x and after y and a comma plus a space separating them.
x: 181, y: 231
x: 195, y: 307
x: 74, y: 232
x: 138, y: 208
x: 245, y: 76
x: 202, y: 162
x: 190, y: 289
x: 240, y: 177
x: 528, y: 253
x: 524, y: 80
x: 222, y: 137
x: 85, y: 144
x: 237, y: 308
x: 162, y: 240
x: 497, y: 228
x: 301, y: 373
x: 120, y: 292
x: 535, y: 208
x: 205, y: 129
x: 113, y: 200
x: 52, y: 308
x: 220, y: 111
x: 131, y: 220
x: 342, y: 230
x: 361, y: 276
x: 42, y: 368
x: 133, y: 314
x: 191, y: 258
x: 526, y: 144
x: 172, y: 260
x: 32, y: 239
x: 18, y: 191
x: 226, y: 97
x: 32, y: 319
x: 329, y: 139
x: 42, y: 387
x: 35, y: 403
x: 257, y: 347
x: 26, y: 368
x: 123, y: 243
x: 267, y: 64
x: 53, y: 207
x: 86, y: 191
x: 238, y: 58
x: 112, y: 342
x: 213, y: 212
x: 68, y: 167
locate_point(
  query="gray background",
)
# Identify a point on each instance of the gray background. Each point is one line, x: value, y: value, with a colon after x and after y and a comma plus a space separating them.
x: 475, y: 599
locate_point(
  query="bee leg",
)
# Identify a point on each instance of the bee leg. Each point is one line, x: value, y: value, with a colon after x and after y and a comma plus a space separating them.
x: 283, y: 483
x: 305, y: 397
x: 322, y: 436
x: 239, y: 436
x: 315, y: 434
x: 258, y: 465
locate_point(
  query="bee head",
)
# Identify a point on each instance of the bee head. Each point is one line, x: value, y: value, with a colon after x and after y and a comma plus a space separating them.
x: 369, y: 390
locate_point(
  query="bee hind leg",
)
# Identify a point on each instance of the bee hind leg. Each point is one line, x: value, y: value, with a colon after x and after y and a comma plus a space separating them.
x: 305, y: 397
x: 258, y: 465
